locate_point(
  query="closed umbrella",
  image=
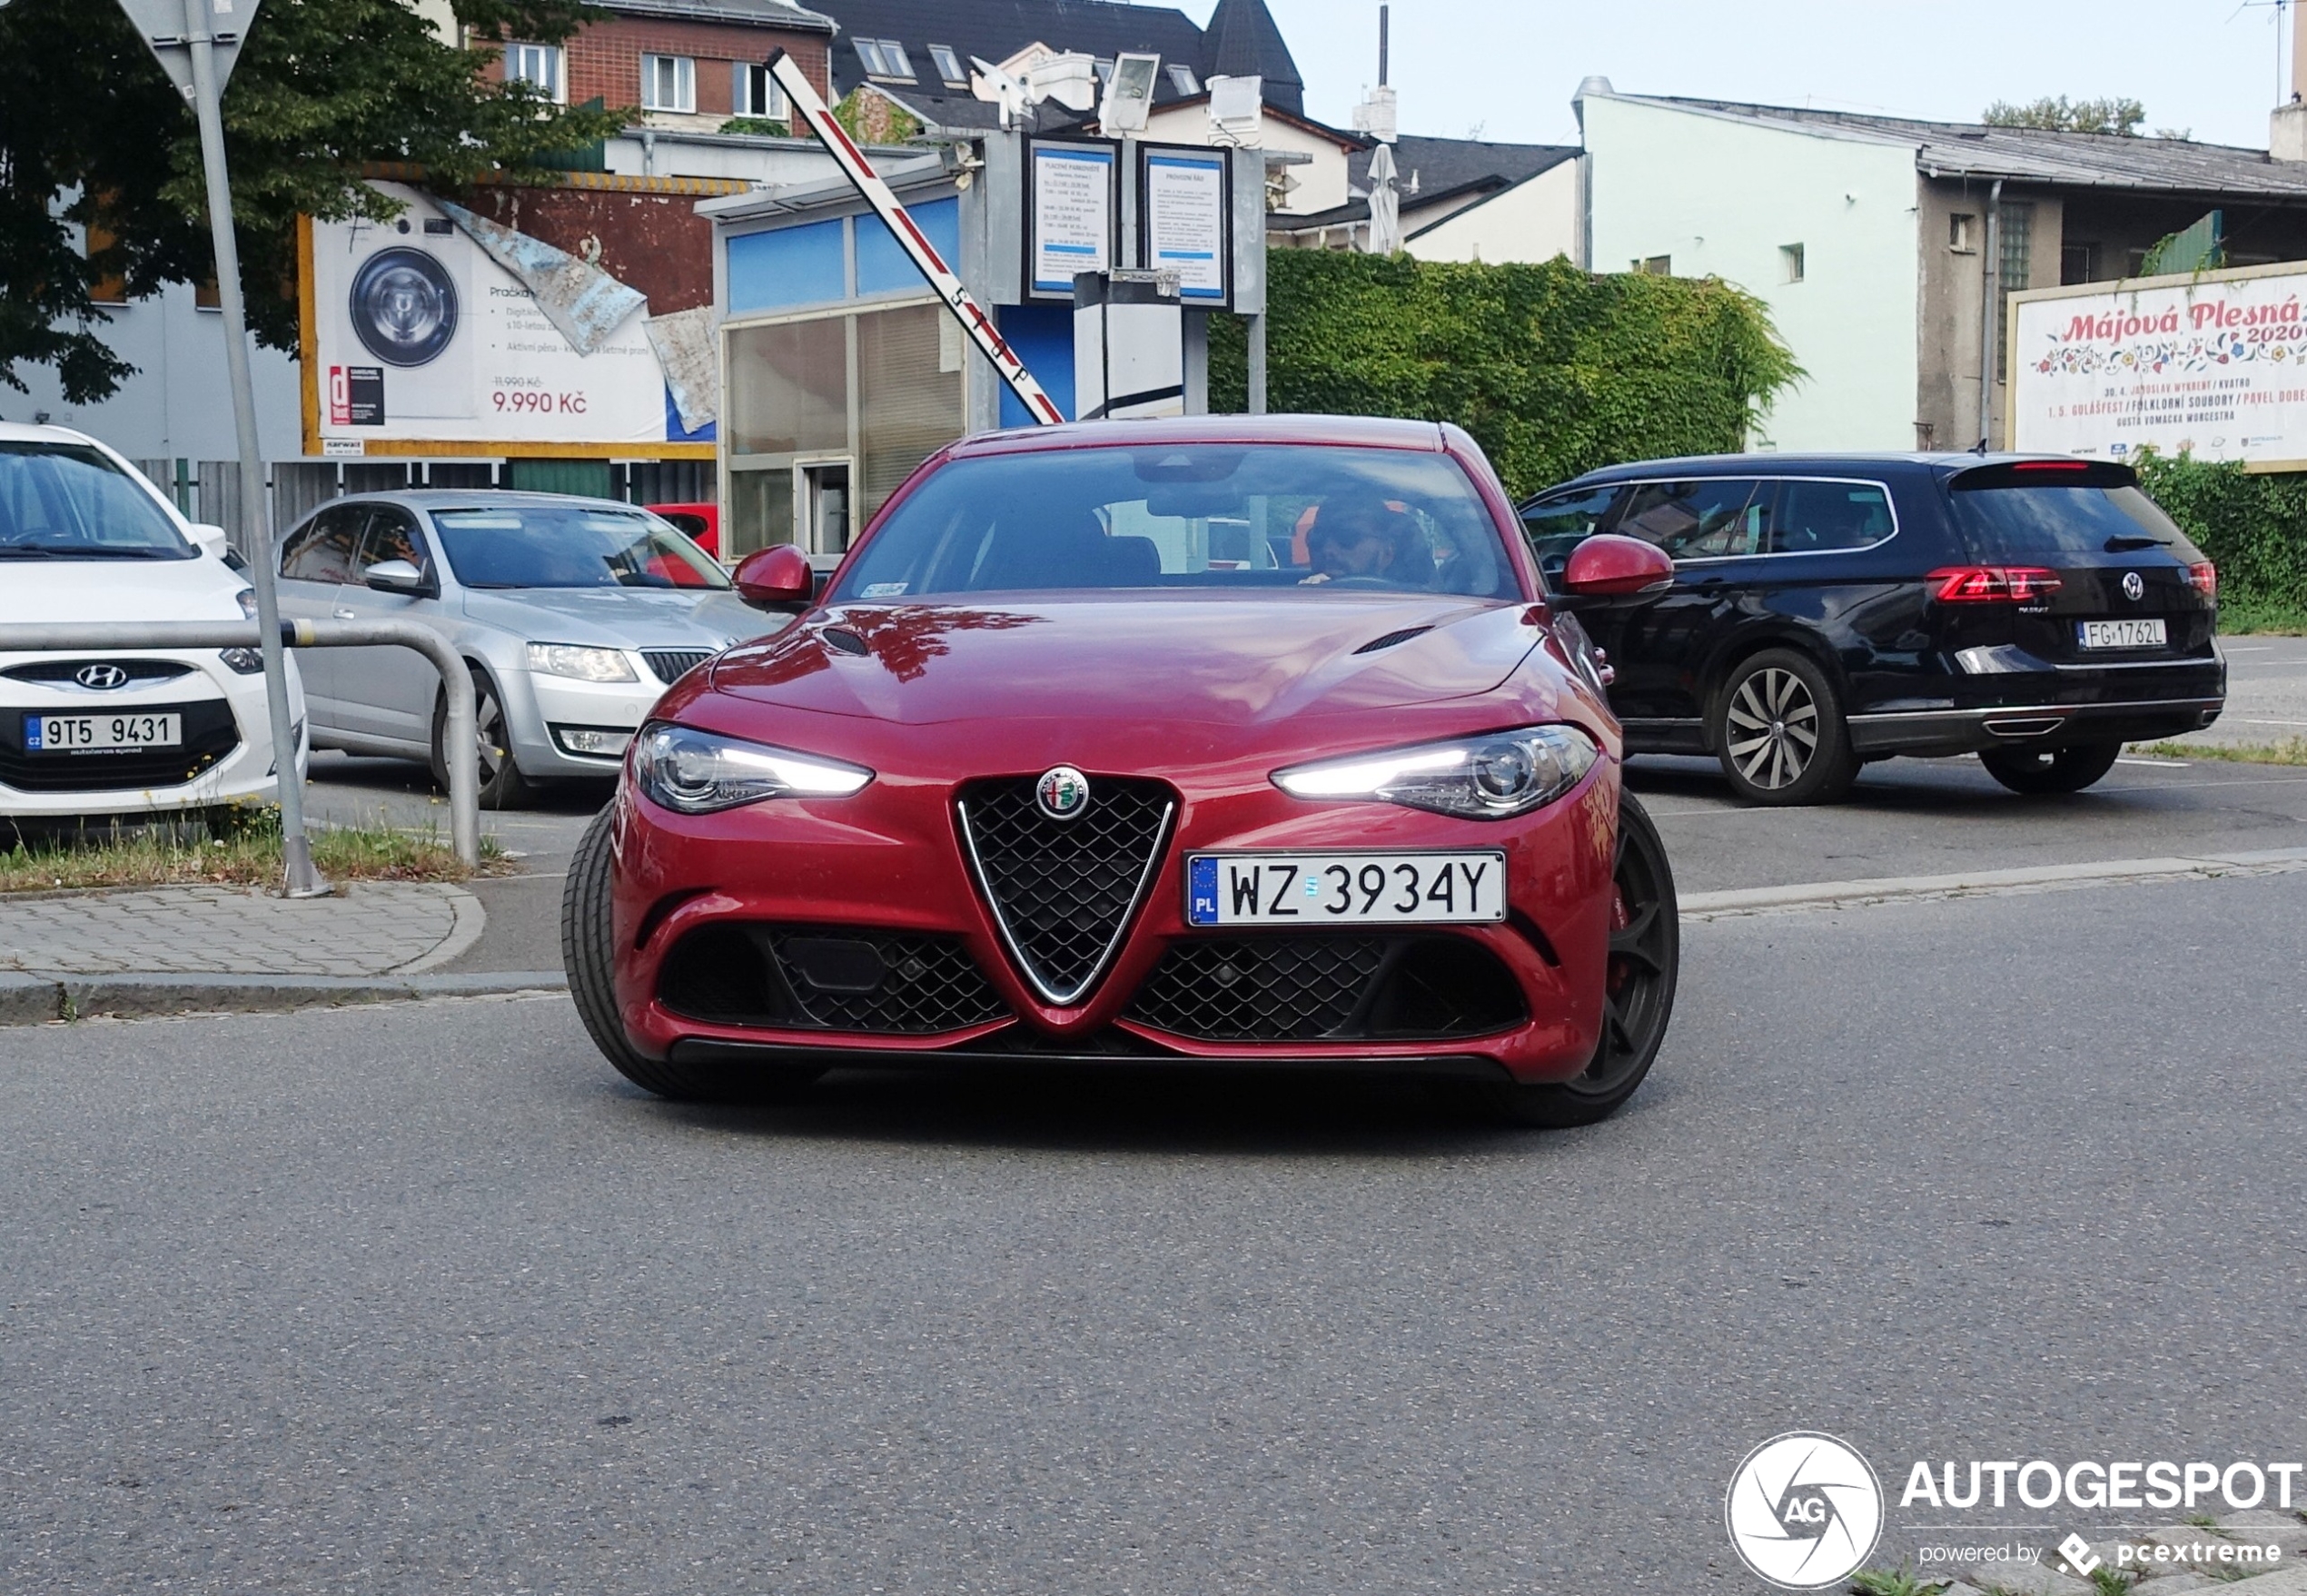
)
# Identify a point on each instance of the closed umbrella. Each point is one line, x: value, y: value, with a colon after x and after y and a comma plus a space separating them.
x: 1385, y: 204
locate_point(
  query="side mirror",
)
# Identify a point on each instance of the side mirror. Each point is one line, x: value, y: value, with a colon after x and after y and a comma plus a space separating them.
x: 776, y: 579
x: 396, y: 576
x: 211, y: 539
x: 1607, y: 566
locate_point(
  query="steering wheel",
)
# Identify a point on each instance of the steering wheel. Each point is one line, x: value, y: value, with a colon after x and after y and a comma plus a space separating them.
x: 1364, y: 582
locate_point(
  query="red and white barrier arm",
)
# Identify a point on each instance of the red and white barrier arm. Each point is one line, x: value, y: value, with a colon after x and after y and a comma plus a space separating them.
x: 805, y: 99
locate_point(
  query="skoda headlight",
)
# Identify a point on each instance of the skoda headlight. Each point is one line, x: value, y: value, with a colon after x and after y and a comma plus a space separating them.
x: 582, y: 664
x: 1493, y: 777
x: 698, y: 772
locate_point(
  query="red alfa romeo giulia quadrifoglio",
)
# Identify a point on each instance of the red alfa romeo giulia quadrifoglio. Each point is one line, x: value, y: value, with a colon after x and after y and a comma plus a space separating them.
x: 1204, y: 742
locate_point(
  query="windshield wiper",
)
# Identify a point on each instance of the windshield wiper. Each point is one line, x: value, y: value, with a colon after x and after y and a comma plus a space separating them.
x: 24, y: 552
x: 2132, y: 543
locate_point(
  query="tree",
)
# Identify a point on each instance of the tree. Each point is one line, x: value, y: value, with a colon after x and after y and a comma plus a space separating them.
x: 2120, y: 117
x: 100, y: 167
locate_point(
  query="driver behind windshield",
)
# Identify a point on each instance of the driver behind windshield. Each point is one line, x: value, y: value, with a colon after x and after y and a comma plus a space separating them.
x: 1367, y: 538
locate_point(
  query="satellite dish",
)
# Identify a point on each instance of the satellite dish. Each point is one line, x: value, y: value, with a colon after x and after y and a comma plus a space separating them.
x: 1129, y: 92
x: 1237, y: 110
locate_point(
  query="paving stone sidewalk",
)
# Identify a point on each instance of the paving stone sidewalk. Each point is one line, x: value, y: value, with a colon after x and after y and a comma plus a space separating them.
x: 367, y: 929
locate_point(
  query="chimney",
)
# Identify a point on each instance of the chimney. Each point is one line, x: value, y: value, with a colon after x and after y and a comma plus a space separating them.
x: 2287, y: 128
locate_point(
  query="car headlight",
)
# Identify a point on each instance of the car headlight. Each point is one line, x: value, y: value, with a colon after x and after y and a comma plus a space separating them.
x: 1493, y: 777
x: 697, y: 772
x: 247, y: 596
x: 580, y: 663
x: 244, y: 661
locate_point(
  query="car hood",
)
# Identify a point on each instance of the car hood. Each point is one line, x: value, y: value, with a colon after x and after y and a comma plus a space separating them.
x: 620, y: 618
x: 65, y: 592
x: 1217, y: 659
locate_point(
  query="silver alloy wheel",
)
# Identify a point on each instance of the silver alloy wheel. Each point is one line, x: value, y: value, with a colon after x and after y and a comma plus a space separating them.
x: 489, y: 724
x: 1774, y: 727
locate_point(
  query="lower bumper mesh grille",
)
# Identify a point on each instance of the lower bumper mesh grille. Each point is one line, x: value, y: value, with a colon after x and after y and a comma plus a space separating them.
x: 835, y: 978
x: 1332, y: 988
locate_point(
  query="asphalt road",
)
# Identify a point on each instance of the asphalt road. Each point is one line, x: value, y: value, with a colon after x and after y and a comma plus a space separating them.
x: 422, y: 1299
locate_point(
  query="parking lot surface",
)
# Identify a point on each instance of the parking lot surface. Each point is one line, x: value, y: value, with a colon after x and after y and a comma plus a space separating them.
x: 423, y: 1299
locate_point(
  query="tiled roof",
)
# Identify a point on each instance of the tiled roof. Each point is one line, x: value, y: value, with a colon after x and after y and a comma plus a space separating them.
x: 1242, y: 38
x: 782, y: 14
x: 2029, y: 154
x: 1445, y: 168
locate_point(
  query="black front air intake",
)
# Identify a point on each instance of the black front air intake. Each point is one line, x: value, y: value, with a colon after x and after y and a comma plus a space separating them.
x: 1338, y: 986
x: 1063, y: 890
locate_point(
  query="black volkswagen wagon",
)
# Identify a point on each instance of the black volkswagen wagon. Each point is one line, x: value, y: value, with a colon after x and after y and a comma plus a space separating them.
x: 1827, y: 610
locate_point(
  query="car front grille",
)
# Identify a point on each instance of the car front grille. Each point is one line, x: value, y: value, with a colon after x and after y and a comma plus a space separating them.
x: 1062, y: 891
x: 68, y: 671
x: 672, y: 664
x: 210, y: 734
x: 834, y: 978
x: 1329, y: 988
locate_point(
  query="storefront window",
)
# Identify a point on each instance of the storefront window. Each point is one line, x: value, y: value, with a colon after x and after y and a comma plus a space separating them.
x: 808, y: 465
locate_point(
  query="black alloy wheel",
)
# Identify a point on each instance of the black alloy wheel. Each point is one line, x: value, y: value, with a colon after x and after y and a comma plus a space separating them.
x: 502, y: 785
x: 588, y: 954
x: 1637, y: 997
x: 2038, y: 772
x: 1779, y: 731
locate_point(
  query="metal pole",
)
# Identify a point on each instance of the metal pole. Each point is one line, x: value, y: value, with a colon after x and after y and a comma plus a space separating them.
x: 256, y: 525
x: 455, y: 679
x: 1257, y: 364
x: 1989, y: 317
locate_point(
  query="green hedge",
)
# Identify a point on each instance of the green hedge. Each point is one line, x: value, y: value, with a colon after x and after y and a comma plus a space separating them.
x: 2254, y: 529
x: 1554, y: 371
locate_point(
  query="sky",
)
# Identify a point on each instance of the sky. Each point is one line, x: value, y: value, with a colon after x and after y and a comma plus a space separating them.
x: 1510, y: 68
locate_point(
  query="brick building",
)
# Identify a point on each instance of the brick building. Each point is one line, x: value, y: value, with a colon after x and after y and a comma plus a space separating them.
x: 689, y: 65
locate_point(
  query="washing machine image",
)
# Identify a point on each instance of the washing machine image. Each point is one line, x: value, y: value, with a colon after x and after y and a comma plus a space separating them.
x: 402, y: 296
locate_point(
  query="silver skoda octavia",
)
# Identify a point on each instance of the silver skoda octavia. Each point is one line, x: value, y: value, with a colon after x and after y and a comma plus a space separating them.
x: 575, y: 614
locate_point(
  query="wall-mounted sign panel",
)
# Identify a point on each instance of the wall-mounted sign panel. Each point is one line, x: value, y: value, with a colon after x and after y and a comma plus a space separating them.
x: 1070, y: 214
x: 2214, y: 365
x: 418, y: 340
x: 1184, y: 202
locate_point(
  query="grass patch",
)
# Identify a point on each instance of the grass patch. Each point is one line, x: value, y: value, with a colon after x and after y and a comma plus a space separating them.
x: 2247, y: 617
x: 2290, y: 751
x: 1893, y: 1582
x: 238, y: 849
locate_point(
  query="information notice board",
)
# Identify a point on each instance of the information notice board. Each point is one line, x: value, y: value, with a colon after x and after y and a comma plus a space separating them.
x: 1070, y: 214
x: 1185, y: 201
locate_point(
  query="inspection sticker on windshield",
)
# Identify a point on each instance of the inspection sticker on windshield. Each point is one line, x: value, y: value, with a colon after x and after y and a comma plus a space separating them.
x: 1318, y: 889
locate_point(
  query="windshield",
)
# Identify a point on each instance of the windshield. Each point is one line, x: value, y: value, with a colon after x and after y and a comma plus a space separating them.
x: 2044, y: 523
x: 68, y: 501
x: 1278, y: 517
x: 570, y: 546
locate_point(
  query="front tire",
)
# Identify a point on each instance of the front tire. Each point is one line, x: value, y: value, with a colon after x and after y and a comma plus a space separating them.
x: 1637, y: 997
x: 2039, y: 771
x: 588, y: 955
x: 1779, y: 732
x: 502, y: 785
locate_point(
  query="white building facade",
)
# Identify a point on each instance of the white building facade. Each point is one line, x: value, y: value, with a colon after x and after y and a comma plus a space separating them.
x: 1820, y: 225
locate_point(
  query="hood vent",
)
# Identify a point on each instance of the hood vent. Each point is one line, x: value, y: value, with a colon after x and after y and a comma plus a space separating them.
x: 843, y: 638
x: 1064, y: 891
x: 1393, y: 638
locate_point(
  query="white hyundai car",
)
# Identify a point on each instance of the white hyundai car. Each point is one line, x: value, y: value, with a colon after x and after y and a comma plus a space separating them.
x: 84, y: 537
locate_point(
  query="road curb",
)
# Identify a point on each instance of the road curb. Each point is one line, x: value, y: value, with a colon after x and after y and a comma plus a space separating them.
x: 1810, y: 894
x: 33, y: 997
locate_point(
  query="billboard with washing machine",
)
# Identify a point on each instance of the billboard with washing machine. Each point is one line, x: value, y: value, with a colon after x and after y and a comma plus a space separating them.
x: 442, y: 333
